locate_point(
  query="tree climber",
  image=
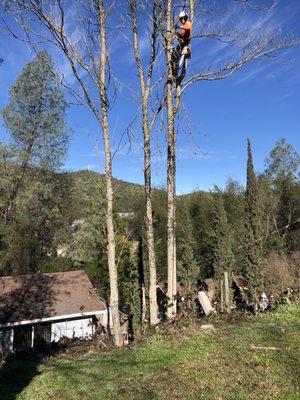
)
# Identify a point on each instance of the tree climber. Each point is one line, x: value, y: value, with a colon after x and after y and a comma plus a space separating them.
x: 183, y: 30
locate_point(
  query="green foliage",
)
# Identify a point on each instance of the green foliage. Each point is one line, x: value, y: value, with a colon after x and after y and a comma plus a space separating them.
x: 200, y: 205
x: 35, y: 114
x: 283, y: 172
x: 234, y: 203
x: 137, y: 229
x: 283, y: 161
x: 42, y: 214
x: 34, y: 200
x: 188, y: 268
x: 223, y: 259
x: 86, y: 181
x: 253, y: 234
x: 88, y: 250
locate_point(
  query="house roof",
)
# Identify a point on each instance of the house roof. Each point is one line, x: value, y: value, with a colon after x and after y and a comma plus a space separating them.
x: 40, y: 296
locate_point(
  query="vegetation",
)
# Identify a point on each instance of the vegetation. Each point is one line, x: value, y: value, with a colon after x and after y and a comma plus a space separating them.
x: 70, y: 197
x: 222, y: 250
x: 183, y: 363
x: 34, y: 197
x: 253, y: 235
x: 84, y: 184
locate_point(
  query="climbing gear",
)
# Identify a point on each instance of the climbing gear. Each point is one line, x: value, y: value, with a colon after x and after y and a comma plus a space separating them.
x: 180, y: 56
x: 182, y: 52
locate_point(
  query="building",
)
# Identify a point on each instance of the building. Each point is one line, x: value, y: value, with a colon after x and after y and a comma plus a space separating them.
x: 47, y: 307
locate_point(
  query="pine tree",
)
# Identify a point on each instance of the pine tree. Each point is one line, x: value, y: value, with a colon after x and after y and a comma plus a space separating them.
x: 253, y: 244
x: 31, y: 193
x: 35, y: 120
x: 222, y: 248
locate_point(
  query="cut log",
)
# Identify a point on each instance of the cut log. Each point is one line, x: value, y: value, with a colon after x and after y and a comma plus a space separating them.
x: 205, y: 303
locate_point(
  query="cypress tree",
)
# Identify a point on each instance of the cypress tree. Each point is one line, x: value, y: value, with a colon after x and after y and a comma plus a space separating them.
x: 253, y: 232
x: 222, y: 247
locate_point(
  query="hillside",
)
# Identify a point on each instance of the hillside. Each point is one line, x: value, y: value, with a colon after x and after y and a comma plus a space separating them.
x: 85, y: 182
x: 245, y: 360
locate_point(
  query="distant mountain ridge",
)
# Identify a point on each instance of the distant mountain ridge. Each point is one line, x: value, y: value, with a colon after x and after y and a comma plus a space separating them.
x: 85, y: 182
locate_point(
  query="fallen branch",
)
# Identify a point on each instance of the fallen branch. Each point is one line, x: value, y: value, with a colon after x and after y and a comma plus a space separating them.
x: 263, y: 348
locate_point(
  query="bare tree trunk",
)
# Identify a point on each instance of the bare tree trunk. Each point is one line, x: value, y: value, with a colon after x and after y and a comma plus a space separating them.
x: 171, y: 187
x: 111, y: 248
x: 226, y: 292
x: 145, y: 92
x: 144, y: 308
x: 222, y: 294
x: 192, y: 10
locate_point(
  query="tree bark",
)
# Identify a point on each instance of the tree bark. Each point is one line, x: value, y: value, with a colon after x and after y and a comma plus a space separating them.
x: 145, y: 92
x: 144, y: 308
x: 222, y: 294
x: 226, y: 292
x: 111, y: 248
x: 171, y: 168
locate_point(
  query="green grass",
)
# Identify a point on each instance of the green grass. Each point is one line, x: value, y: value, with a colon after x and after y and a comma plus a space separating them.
x: 195, y: 364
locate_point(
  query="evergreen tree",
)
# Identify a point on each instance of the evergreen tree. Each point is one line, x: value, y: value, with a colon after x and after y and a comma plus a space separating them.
x: 222, y: 248
x: 35, y: 120
x: 88, y: 243
x: 253, y: 232
x: 89, y: 250
x: 42, y: 213
x: 283, y: 169
x: 187, y: 264
x: 34, y: 199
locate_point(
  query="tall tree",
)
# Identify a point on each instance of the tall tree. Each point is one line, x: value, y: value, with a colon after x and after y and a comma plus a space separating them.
x: 253, y: 232
x: 35, y: 120
x: 145, y: 83
x: 211, y: 24
x: 283, y: 161
x: 171, y: 162
x: 87, y: 56
x: 222, y: 249
x: 283, y: 170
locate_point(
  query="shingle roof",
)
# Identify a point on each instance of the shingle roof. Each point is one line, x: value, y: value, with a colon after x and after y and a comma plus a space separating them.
x: 31, y: 297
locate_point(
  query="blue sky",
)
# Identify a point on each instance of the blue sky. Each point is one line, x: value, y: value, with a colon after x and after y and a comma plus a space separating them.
x: 261, y: 101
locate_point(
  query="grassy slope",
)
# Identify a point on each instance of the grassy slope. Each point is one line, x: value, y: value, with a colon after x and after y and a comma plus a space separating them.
x: 193, y: 365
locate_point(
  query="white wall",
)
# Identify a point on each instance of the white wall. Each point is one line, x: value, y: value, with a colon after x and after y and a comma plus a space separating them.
x: 77, y: 328
x: 6, y: 341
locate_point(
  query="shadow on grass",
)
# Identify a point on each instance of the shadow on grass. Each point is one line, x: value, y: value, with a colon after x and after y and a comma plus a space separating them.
x: 18, y: 370
x: 16, y: 376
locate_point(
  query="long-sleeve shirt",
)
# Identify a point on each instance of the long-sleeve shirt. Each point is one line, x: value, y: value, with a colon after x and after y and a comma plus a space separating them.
x: 184, y: 32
